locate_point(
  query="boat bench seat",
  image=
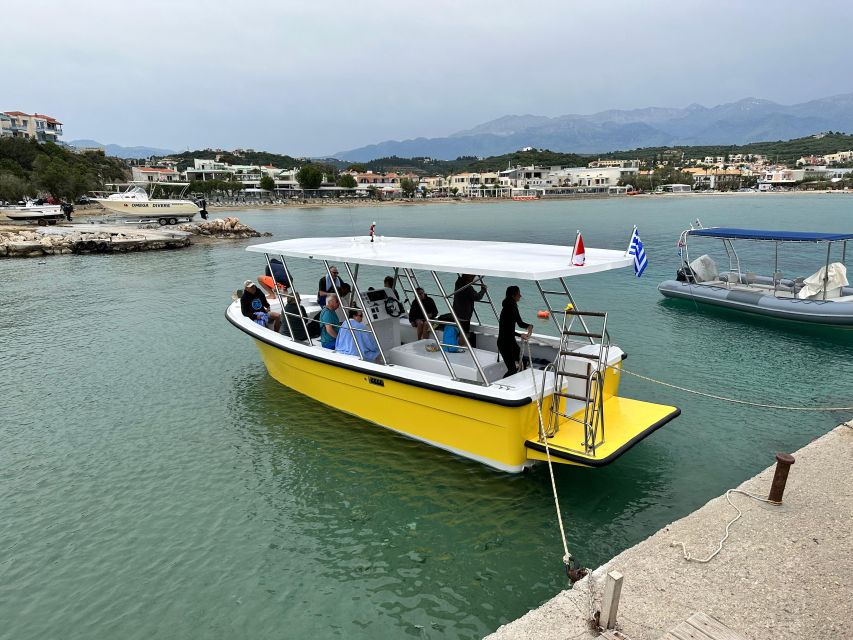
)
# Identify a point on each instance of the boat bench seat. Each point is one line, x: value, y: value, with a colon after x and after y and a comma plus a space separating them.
x: 415, y: 356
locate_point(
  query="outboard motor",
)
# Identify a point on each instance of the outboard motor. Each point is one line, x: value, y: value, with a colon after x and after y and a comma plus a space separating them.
x: 202, y: 204
x: 685, y: 274
x: 67, y: 209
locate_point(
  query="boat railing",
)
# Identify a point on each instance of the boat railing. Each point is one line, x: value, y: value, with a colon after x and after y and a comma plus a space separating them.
x: 292, y: 292
x: 593, y: 379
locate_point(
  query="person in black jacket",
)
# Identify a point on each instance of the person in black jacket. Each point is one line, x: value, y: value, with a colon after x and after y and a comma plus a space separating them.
x: 464, y: 298
x: 416, y: 316
x: 254, y: 305
x: 291, y: 320
x: 510, y: 317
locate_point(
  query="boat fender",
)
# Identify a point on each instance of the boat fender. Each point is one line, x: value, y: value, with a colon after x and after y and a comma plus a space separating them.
x: 542, y: 314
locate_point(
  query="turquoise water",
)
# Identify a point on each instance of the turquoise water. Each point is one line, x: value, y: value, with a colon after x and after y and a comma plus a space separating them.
x: 155, y: 482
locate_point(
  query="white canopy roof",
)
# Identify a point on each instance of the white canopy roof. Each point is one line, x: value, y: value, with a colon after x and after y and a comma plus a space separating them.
x: 502, y: 259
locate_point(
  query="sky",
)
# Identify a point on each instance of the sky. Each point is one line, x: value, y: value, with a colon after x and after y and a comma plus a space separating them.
x: 316, y: 78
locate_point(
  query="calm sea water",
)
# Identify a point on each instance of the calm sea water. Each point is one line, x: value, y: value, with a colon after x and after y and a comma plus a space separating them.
x: 155, y: 482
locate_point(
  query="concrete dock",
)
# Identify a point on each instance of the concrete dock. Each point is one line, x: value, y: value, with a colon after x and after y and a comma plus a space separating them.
x: 785, y: 572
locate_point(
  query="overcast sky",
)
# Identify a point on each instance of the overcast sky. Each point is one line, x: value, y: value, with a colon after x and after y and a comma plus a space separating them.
x: 314, y: 78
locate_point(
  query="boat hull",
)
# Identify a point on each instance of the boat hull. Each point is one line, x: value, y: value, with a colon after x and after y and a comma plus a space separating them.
x: 500, y: 434
x: 826, y: 312
x: 152, y: 209
x: 483, y: 431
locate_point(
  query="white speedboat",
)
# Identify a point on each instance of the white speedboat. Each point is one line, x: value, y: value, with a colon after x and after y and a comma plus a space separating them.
x: 459, y: 396
x: 37, y: 211
x: 825, y: 297
x: 136, y: 203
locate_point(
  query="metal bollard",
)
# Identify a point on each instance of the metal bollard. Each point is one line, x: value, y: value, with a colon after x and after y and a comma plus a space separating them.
x: 783, y: 465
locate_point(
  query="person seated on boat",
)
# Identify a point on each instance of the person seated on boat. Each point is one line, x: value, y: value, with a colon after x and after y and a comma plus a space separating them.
x: 278, y: 273
x: 329, y: 323
x: 416, y: 316
x: 509, y: 319
x: 292, y: 321
x: 325, y: 287
x: 253, y: 302
x: 464, y: 298
x: 349, y: 335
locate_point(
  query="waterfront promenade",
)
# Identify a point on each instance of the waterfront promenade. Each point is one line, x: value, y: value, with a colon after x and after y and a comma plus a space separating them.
x: 784, y: 573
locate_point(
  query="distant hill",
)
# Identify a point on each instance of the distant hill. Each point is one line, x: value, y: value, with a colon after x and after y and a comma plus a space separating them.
x: 119, y: 151
x: 185, y: 158
x: 741, y: 122
x: 779, y: 151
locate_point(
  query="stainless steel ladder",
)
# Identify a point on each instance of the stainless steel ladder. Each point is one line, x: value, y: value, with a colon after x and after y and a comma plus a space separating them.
x: 593, y: 380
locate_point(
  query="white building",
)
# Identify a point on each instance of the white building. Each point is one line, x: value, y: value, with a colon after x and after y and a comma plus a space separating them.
x: 155, y: 174
x: 780, y: 179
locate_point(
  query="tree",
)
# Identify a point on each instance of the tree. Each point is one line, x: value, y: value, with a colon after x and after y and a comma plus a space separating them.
x: 13, y: 188
x: 358, y: 168
x: 408, y: 187
x: 267, y: 183
x: 346, y: 181
x: 309, y: 177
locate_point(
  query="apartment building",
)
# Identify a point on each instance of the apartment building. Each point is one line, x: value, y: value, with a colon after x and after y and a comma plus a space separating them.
x: 621, y: 164
x: 204, y: 170
x: 36, y: 126
x: 155, y: 174
x: 841, y: 156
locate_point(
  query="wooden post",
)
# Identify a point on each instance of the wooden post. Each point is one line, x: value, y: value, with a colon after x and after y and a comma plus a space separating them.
x: 610, y: 601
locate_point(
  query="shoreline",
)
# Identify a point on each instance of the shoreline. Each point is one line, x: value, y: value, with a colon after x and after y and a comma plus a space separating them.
x: 322, y: 203
x: 96, y: 211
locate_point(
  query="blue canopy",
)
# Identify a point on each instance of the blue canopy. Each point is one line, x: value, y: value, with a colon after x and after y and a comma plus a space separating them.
x: 760, y: 234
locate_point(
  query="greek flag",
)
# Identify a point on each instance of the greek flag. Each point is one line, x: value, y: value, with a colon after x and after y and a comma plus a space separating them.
x: 635, y: 248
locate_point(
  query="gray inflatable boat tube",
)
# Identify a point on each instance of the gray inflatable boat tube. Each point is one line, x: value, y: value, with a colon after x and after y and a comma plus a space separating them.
x: 825, y: 312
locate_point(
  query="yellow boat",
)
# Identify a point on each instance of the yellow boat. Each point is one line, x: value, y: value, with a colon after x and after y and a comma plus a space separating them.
x: 455, y: 396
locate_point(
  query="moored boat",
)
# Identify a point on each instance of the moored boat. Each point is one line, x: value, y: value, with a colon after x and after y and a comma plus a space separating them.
x: 455, y: 396
x: 38, y: 211
x: 136, y: 203
x: 825, y: 297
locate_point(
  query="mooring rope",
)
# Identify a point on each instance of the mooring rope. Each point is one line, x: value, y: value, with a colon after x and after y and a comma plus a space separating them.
x: 734, y: 400
x: 567, y: 557
x: 690, y: 558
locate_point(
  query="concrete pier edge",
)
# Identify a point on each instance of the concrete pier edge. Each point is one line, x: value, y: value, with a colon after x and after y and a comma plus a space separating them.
x: 784, y: 573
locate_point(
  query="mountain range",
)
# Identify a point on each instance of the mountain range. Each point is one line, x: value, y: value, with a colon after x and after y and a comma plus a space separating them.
x: 741, y: 122
x: 123, y: 152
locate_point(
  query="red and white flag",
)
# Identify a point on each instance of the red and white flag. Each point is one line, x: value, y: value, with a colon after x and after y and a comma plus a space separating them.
x: 578, y: 253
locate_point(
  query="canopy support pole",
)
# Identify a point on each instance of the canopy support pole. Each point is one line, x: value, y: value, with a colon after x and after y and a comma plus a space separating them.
x: 826, y: 270
x: 356, y: 292
x: 459, y: 326
x: 344, y: 307
x: 295, y: 294
x: 409, y: 276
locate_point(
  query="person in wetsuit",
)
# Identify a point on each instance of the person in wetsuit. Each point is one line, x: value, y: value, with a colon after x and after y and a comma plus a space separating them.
x: 509, y: 319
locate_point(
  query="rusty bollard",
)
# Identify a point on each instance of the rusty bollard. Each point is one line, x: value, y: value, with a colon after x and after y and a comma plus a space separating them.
x: 783, y: 465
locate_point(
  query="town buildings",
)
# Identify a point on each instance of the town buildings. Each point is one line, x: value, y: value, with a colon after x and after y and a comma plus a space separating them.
x: 36, y: 126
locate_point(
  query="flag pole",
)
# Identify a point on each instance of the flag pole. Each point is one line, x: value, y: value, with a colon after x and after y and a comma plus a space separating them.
x: 574, y: 248
x: 631, y: 241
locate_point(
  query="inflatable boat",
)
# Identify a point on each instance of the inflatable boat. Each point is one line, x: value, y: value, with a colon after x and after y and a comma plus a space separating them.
x: 825, y: 297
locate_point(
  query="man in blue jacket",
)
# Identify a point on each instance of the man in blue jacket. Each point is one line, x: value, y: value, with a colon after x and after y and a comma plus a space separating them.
x: 348, y: 336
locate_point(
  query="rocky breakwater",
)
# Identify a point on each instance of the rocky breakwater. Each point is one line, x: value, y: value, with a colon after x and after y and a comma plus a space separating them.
x: 226, y: 228
x: 63, y: 240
